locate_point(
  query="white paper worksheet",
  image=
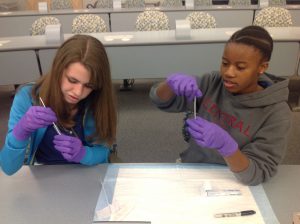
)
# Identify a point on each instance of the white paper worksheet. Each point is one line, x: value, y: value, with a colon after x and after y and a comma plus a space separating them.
x: 175, y: 195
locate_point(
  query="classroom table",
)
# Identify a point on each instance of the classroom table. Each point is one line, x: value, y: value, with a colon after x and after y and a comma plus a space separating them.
x: 18, y: 67
x: 225, y: 16
x: 69, y: 193
x: 18, y: 23
x: 154, y: 54
x: 295, y: 12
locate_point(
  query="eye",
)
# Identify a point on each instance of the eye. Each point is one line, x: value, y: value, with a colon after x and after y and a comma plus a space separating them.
x: 71, y: 80
x: 90, y: 86
x: 241, y: 68
x: 224, y: 63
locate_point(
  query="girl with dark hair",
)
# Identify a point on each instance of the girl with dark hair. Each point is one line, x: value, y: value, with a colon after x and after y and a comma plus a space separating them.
x: 242, y: 113
x: 69, y: 115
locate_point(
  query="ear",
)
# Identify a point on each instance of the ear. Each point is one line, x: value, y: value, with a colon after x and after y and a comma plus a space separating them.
x: 263, y: 67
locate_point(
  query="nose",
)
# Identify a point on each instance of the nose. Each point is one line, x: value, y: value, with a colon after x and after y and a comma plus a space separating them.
x: 230, y: 71
x: 78, y: 89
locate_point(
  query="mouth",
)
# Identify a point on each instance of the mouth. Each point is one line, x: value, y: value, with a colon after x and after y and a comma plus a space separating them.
x: 73, y: 99
x: 228, y: 84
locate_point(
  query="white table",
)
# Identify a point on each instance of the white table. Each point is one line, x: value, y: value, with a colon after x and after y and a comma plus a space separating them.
x: 18, y: 23
x: 156, y: 54
x: 68, y: 193
x: 18, y: 67
x: 283, y: 192
x: 295, y: 15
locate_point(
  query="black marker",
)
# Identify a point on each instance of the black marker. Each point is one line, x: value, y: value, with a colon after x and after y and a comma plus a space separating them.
x: 234, y: 214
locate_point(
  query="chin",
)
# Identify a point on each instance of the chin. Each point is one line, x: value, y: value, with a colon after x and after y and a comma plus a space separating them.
x: 229, y: 89
x: 69, y: 102
x: 233, y: 91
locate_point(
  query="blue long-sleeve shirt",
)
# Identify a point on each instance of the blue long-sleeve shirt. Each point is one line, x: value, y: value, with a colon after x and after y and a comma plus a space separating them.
x: 15, y: 153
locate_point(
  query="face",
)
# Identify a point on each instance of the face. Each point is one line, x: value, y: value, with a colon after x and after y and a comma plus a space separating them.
x: 241, y: 67
x: 75, y: 84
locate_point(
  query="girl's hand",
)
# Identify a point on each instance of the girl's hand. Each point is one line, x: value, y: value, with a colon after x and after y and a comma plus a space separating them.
x: 36, y: 117
x: 70, y: 147
x: 210, y: 135
x: 184, y: 85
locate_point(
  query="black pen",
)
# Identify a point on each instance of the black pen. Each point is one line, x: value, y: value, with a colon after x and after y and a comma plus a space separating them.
x: 234, y: 214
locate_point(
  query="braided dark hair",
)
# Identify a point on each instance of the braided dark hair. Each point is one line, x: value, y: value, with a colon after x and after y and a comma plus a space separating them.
x: 255, y: 36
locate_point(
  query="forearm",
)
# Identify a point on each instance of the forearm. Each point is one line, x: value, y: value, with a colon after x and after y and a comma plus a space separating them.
x: 167, y: 101
x: 13, y: 154
x: 237, y: 161
x: 164, y: 92
x: 95, y: 155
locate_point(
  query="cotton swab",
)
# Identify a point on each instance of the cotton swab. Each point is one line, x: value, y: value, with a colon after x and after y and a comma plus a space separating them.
x: 54, y: 125
x: 195, y: 112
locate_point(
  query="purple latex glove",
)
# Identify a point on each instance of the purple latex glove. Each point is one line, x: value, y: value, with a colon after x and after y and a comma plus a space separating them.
x: 184, y: 85
x: 70, y: 147
x: 36, y: 117
x: 210, y: 135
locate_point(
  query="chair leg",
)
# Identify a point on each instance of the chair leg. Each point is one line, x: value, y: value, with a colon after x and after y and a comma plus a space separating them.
x: 294, y: 87
x: 15, y: 90
x: 37, y: 55
x: 297, y: 107
x: 127, y: 85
